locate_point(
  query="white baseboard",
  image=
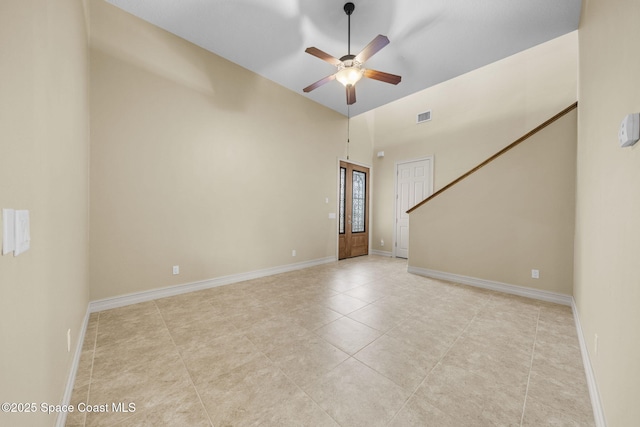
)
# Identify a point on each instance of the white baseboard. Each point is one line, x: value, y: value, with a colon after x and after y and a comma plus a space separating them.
x: 596, y: 404
x: 138, y: 297
x: 594, y: 394
x: 381, y: 253
x: 494, y: 286
x: 61, y: 420
x: 124, y: 300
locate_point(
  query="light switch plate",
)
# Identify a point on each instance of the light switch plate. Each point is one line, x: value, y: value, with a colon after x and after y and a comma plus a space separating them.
x: 8, y: 231
x: 23, y: 233
x: 629, y: 131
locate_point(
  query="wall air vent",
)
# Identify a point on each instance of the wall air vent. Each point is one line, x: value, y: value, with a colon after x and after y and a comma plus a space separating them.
x: 424, y: 117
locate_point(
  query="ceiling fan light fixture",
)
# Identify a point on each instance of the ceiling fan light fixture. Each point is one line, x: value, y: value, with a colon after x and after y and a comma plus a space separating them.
x: 349, y: 72
x: 350, y: 69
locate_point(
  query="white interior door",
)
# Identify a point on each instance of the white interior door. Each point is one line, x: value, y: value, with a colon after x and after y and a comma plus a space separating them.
x: 414, y: 184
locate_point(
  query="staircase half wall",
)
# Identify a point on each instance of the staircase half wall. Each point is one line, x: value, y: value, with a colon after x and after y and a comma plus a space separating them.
x: 512, y: 216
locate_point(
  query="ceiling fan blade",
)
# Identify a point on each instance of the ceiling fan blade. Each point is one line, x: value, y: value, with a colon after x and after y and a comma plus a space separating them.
x: 374, y: 46
x: 351, y: 94
x: 319, y: 83
x: 322, y: 55
x: 383, y: 77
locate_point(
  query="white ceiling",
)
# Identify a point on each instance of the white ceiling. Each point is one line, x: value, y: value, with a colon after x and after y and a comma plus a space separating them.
x: 431, y: 41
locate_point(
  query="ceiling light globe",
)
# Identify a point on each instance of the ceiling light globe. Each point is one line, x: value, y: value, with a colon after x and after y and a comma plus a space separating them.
x: 349, y: 75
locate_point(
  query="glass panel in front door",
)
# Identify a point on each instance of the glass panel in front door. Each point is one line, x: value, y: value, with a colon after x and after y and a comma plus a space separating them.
x: 343, y: 190
x: 359, y: 200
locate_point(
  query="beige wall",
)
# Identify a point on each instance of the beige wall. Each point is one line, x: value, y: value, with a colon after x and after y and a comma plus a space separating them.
x: 43, y: 168
x: 474, y: 116
x: 513, y: 215
x: 607, y: 277
x: 198, y: 162
x: 195, y: 162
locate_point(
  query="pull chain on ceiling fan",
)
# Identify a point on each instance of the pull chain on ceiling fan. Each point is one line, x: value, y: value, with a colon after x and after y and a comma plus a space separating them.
x: 350, y: 66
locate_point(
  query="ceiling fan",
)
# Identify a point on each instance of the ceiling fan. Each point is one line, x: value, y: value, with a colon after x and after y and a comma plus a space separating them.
x: 350, y: 66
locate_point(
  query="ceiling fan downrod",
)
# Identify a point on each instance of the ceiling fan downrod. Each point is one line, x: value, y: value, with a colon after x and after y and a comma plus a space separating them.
x: 348, y: 9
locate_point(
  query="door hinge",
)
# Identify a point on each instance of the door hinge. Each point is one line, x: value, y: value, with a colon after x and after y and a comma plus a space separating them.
x: 396, y: 244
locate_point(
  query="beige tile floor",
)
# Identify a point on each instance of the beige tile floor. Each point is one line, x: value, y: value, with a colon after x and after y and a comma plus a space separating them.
x: 359, y: 342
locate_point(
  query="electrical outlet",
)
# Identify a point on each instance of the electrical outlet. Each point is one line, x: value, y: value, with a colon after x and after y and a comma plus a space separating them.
x: 176, y: 269
x: 535, y: 274
x: 381, y: 242
x: 293, y: 252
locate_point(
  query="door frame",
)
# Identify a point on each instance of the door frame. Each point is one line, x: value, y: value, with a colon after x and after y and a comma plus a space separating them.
x: 395, y: 191
x: 370, y: 193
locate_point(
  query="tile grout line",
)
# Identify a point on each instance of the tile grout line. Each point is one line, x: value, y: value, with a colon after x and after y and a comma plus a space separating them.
x: 533, y: 351
x: 350, y: 356
x: 313, y: 332
x: 132, y: 414
x: 483, y: 305
x: 384, y: 334
x: 295, y: 383
x: 434, y: 367
x: 184, y: 364
x: 92, y: 365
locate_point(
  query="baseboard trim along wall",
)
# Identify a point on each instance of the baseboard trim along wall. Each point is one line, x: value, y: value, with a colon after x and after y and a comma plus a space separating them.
x: 124, y: 300
x: 61, y: 420
x: 494, y: 286
x: 135, y: 298
x: 522, y: 291
x: 381, y: 253
x: 594, y: 394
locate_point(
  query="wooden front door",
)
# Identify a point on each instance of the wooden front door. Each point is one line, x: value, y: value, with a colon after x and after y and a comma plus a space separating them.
x: 353, y: 226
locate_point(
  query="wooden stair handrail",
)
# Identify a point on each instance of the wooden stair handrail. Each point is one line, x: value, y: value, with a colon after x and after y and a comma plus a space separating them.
x: 498, y: 154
